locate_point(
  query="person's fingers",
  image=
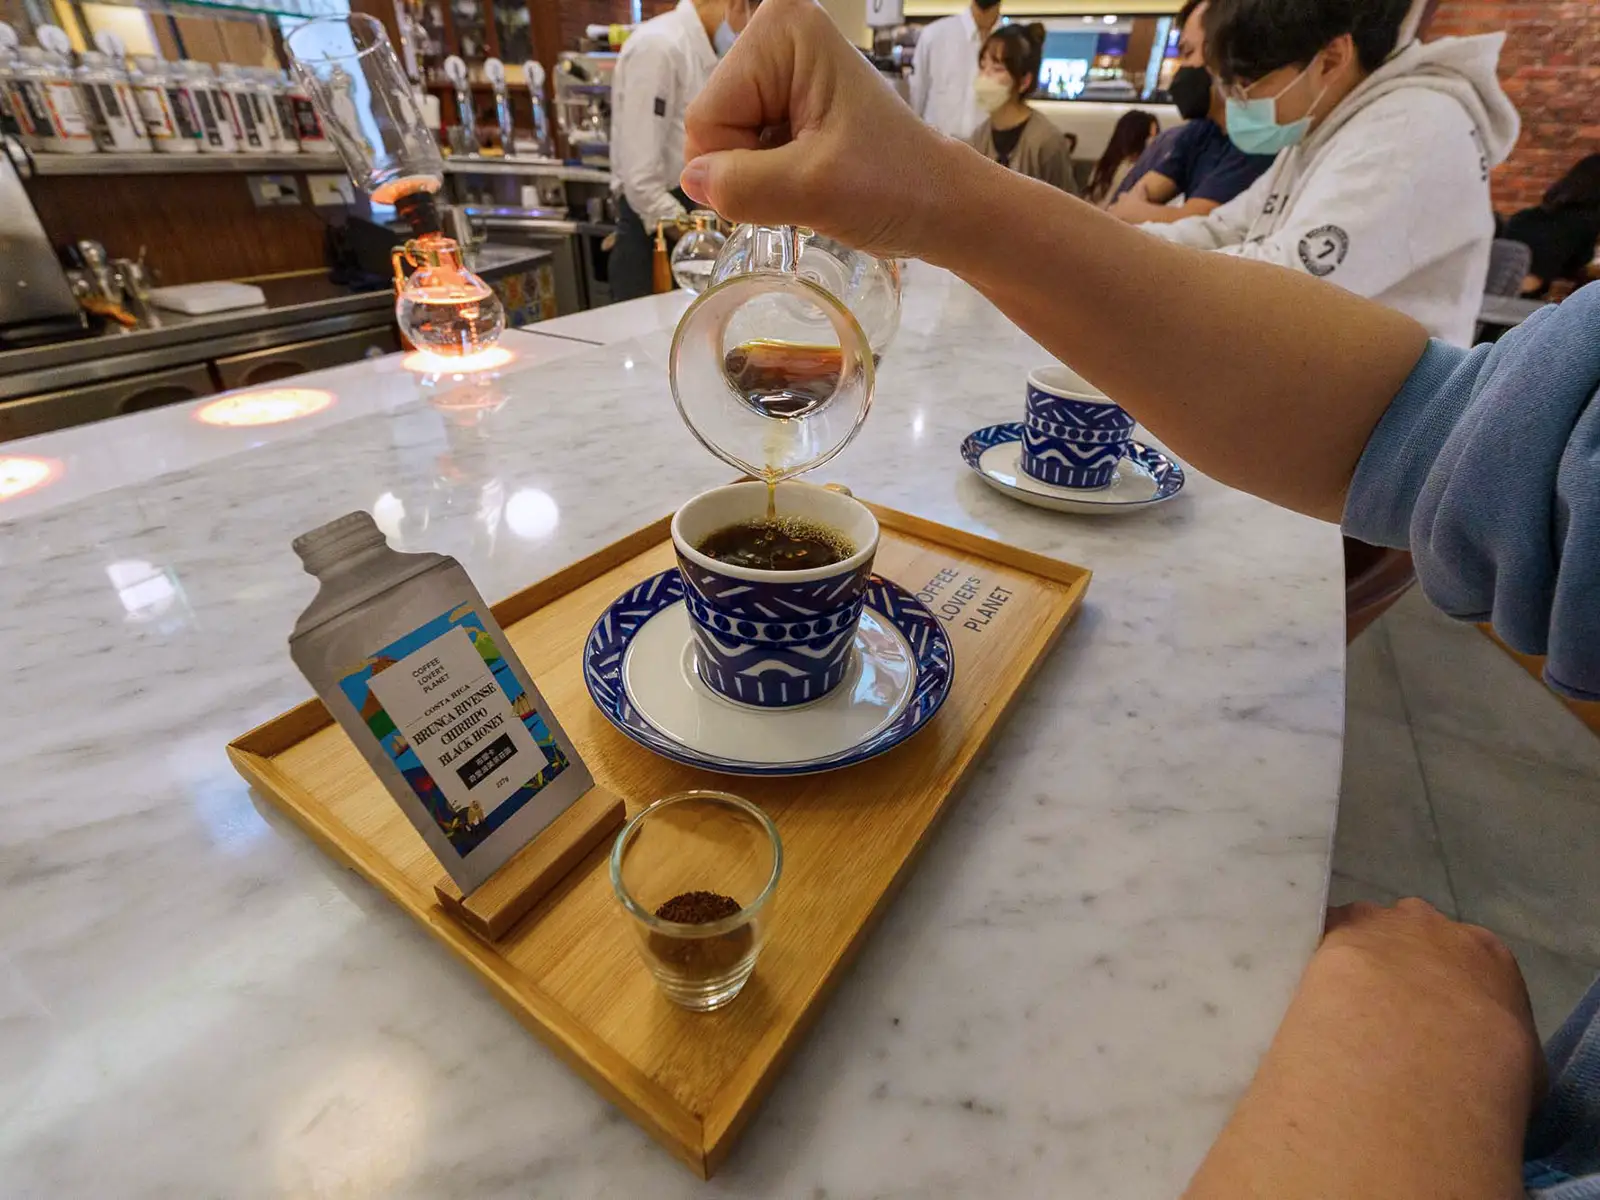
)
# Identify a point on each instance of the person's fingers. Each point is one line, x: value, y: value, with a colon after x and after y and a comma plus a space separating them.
x: 1417, y: 906
x: 750, y: 89
x: 1491, y: 942
x: 726, y: 137
x: 745, y: 185
x: 1342, y: 915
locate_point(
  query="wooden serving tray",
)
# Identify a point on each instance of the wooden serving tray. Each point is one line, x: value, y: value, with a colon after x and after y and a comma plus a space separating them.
x: 570, y: 970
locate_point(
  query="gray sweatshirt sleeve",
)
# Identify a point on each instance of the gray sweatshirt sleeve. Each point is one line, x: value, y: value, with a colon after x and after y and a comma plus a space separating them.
x: 1487, y: 466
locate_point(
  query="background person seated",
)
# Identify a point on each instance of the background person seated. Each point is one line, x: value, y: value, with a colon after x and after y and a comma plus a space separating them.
x: 1195, y: 160
x: 1014, y: 135
x: 1562, y: 229
x: 1128, y: 141
x: 1381, y: 182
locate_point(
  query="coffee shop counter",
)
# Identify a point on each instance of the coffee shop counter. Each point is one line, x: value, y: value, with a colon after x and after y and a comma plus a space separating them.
x: 1064, y: 1001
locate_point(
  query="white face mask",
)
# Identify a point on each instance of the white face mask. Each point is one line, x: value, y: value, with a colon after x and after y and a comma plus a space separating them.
x: 990, y: 93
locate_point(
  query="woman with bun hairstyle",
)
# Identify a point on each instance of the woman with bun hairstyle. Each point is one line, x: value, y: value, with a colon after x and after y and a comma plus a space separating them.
x: 1014, y: 135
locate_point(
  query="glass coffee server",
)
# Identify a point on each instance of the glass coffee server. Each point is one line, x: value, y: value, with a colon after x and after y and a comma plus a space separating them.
x: 374, y: 119
x: 773, y: 366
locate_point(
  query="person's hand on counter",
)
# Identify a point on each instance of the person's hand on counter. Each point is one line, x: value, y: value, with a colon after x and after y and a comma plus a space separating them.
x: 1150, y: 200
x: 1407, y: 1065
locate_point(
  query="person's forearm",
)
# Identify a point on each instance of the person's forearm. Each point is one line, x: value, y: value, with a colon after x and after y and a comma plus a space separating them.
x: 1362, y: 1097
x: 1166, y: 214
x: 1219, y: 358
x: 1136, y: 210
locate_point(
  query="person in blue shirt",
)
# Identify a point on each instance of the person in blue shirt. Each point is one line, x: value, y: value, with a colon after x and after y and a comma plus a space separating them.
x: 1407, y: 1064
x: 1195, y: 160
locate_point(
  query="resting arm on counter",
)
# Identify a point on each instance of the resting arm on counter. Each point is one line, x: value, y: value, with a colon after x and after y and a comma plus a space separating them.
x: 1147, y: 202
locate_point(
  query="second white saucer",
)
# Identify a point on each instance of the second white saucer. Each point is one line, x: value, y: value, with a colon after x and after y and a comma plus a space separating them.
x: 1145, y: 477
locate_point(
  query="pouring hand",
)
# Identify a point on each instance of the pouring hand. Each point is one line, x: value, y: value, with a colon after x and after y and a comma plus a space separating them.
x: 795, y: 127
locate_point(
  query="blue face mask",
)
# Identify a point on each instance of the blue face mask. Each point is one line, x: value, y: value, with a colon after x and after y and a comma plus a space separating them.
x: 1253, y: 124
x: 723, y: 41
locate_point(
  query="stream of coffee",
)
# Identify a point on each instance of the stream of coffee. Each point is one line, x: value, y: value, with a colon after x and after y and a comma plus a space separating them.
x: 785, y: 380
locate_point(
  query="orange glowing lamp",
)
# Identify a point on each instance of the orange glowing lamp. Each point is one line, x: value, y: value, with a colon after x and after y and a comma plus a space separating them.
x: 23, y: 473
x: 270, y: 407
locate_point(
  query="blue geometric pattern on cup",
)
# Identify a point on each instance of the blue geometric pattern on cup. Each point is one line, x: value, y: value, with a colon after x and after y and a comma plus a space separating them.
x: 772, y: 645
x: 775, y: 601
x: 607, y: 647
x: 1063, y: 463
x: 1073, y: 443
x: 1167, y: 472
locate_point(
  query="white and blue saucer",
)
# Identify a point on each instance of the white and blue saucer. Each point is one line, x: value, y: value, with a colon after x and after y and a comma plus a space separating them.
x: 639, y: 666
x: 1143, y: 479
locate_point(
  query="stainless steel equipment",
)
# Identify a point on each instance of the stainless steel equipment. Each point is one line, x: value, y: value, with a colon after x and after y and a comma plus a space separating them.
x: 464, y: 134
x: 574, y: 246
x: 98, y: 265
x: 583, y: 103
x: 36, y: 302
x: 96, y: 401
x: 282, y: 362
x: 495, y: 71
x: 533, y: 75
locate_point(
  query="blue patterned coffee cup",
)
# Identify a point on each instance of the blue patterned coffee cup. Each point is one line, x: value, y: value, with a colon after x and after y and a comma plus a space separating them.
x: 1074, y: 435
x: 773, y: 639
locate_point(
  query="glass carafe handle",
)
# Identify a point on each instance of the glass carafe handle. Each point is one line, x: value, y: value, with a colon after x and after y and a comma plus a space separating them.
x: 776, y: 248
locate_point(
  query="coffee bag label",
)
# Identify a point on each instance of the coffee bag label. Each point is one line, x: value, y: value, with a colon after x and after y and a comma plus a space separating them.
x: 453, y: 718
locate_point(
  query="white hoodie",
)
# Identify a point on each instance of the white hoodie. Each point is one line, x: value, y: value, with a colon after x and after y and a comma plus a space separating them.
x: 1389, y: 195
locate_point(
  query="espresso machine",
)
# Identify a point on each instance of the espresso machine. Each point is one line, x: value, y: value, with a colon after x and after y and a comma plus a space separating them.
x: 36, y: 301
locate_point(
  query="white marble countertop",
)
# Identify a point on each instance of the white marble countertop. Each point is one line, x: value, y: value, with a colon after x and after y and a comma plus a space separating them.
x: 1064, y: 1001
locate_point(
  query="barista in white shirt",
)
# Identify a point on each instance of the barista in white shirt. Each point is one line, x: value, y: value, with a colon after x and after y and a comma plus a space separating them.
x: 663, y: 65
x: 945, y: 66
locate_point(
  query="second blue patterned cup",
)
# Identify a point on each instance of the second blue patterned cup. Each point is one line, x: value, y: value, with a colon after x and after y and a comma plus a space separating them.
x: 773, y: 639
x: 1074, y: 435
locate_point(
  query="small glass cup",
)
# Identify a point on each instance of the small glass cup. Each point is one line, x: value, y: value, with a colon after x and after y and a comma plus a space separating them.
x: 698, y: 850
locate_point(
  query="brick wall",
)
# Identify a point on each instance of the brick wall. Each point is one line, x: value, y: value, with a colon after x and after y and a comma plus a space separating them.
x: 1551, y: 70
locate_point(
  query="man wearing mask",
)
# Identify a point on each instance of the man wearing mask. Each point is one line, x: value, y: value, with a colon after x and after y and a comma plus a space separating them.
x: 662, y: 67
x: 1383, y: 144
x: 945, y: 67
x: 1195, y: 160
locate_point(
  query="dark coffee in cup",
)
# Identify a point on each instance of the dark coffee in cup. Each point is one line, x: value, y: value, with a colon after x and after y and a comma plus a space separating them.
x: 781, y: 544
x: 776, y: 634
